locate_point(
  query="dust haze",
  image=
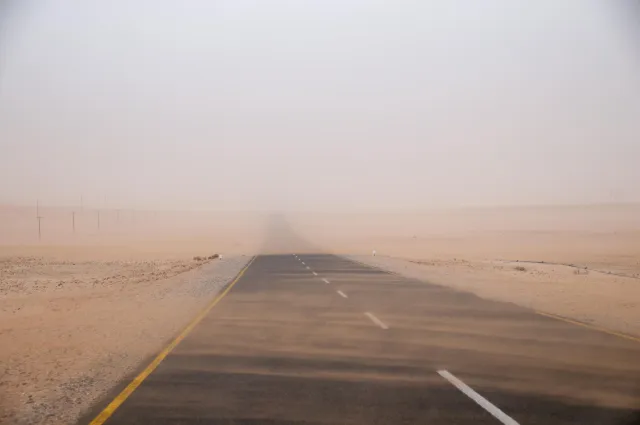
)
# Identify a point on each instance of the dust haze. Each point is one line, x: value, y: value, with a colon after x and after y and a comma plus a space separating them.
x: 488, y: 146
x: 154, y: 122
x: 318, y: 106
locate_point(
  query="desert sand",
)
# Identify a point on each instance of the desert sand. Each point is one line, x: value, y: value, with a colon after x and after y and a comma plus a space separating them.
x: 79, y: 310
x: 608, y: 301
x: 69, y: 331
x: 598, y: 236
x: 580, y: 262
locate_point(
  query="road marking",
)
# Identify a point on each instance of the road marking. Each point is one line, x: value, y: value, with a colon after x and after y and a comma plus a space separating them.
x: 308, y: 268
x: 314, y: 273
x: 326, y: 280
x: 342, y: 294
x: 483, y: 402
x: 541, y: 313
x: 133, y: 385
x: 375, y: 320
x: 588, y: 326
x: 303, y: 263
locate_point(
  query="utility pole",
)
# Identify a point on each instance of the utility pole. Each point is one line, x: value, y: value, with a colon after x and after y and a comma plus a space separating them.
x: 39, y: 219
x: 73, y: 221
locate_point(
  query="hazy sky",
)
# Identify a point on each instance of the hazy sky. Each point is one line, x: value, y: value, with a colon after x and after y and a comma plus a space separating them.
x: 318, y: 104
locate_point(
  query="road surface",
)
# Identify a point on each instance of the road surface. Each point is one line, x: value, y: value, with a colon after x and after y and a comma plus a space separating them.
x: 318, y: 339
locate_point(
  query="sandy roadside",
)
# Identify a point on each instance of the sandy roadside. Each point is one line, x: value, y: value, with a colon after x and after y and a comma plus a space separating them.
x: 609, y: 301
x: 70, y: 330
x: 479, y: 249
x: 80, y: 303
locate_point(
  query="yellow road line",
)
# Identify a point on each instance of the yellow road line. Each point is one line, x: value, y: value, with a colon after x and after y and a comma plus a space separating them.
x: 133, y: 385
x: 585, y: 325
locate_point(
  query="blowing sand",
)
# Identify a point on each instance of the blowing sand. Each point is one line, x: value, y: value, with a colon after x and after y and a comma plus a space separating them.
x: 70, y: 331
x: 609, y: 301
x: 591, y: 254
x: 79, y: 310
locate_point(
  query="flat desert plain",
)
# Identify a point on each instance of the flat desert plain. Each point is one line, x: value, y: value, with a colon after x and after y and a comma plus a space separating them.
x: 79, y: 310
x: 580, y: 262
x: 84, y: 304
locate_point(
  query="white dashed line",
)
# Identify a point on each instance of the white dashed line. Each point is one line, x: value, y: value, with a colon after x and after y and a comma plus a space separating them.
x: 314, y: 273
x: 486, y: 404
x: 342, y: 294
x: 303, y: 263
x: 375, y: 320
x: 308, y: 268
x: 326, y: 280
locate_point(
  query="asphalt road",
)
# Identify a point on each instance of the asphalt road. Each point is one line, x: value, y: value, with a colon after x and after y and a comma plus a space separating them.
x: 318, y: 339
